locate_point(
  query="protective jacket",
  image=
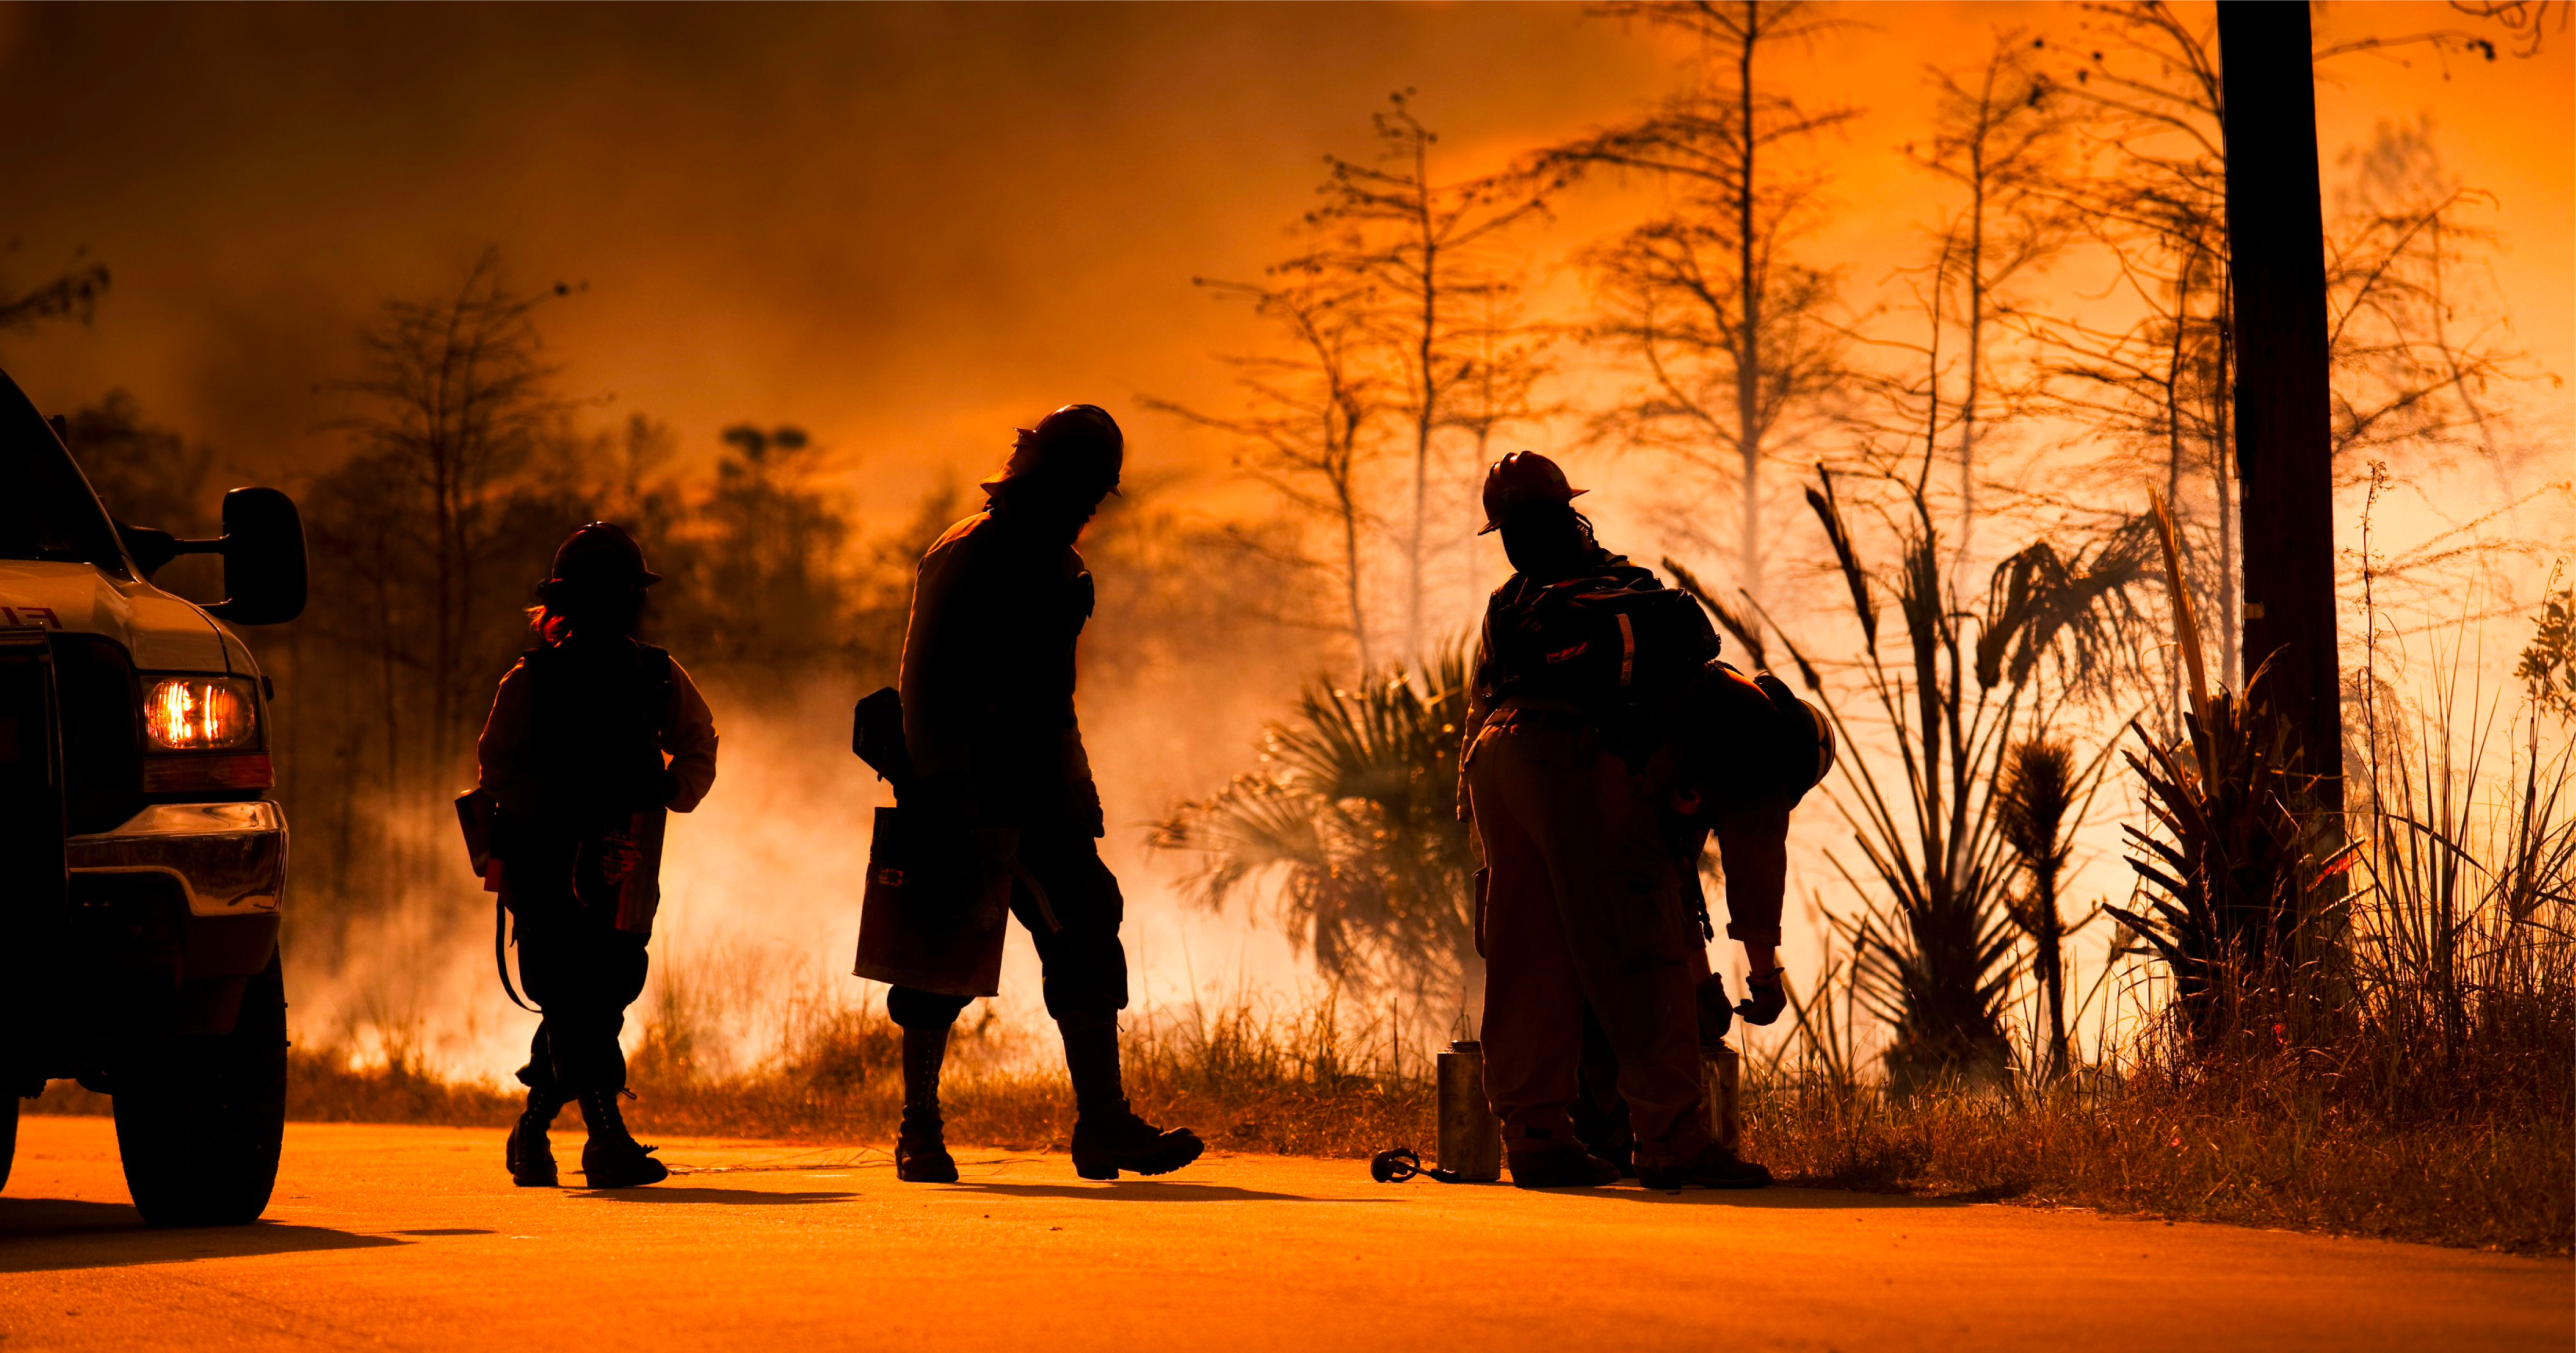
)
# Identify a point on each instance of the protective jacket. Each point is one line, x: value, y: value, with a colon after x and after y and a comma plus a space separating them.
x: 989, y: 728
x: 588, y: 737
x: 988, y: 675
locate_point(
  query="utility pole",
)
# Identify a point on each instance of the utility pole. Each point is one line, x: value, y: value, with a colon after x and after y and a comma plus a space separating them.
x: 2284, y: 443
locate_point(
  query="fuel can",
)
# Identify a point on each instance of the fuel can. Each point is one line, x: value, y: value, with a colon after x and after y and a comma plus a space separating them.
x: 1724, y: 1072
x: 1471, y: 1137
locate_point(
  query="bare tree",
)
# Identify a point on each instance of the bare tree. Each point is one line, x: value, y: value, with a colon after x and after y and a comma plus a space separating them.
x: 1999, y: 135
x: 2152, y: 192
x: 1308, y: 419
x: 2416, y: 345
x: 2527, y: 23
x: 1421, y: 245
x: 455, y: 401
x: 1709, y: 299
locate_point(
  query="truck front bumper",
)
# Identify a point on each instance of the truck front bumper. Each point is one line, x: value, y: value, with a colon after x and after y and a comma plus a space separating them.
x: 228, y: 859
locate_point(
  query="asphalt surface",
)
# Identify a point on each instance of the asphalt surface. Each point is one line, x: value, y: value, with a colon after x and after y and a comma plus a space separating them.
x: 413, y: 1238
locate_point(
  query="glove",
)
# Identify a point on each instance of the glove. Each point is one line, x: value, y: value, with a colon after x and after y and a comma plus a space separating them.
x: 1769, y: 995
x: 660, y: 789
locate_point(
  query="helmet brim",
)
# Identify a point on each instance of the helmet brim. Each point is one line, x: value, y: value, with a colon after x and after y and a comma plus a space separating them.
x: 1493, y: 524
x: 1005, y: 475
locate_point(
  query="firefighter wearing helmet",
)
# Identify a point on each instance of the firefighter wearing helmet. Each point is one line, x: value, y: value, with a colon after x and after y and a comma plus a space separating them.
x: 593, y: 738
x: 992, y: 750
x: 1570, y: 771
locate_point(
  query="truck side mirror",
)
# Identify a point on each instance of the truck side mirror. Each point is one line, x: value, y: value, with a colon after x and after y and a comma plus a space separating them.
x: 263, y: 549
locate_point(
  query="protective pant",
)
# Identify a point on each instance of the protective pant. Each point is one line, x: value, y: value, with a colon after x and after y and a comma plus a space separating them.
x: 578, y: 968
x: 1581, y: 907
x: 1085, y: 963
x: 1600, y: 1115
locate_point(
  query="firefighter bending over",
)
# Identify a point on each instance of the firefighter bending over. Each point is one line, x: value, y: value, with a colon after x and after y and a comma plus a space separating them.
x: 989, y: 725
x: 1566, y: 773
x: 593, y: 737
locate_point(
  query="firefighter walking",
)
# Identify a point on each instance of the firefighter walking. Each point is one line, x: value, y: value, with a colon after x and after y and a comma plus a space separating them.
x: 1566, y: 771
x: 593, y: 737
x: 993, y: 747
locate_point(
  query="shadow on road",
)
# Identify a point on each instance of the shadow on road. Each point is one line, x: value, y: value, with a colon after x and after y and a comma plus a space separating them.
x: 46, y: 1234
x: 1139, y: 1191
x: 731, y: 1197
x: 1781, y: 1199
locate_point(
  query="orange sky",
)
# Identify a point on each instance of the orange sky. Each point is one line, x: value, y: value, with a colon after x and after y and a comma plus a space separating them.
x: 903, y: 227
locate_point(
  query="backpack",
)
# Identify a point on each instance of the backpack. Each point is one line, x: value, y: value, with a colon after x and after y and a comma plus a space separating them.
x: 601, y: 728
x: 1603, y: 641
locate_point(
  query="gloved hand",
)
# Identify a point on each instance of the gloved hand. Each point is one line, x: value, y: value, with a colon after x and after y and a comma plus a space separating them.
x: 1769, y: 996
x: 660, y: 788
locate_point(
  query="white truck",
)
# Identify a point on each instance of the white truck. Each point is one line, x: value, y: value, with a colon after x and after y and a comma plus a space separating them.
x: 141, y: 863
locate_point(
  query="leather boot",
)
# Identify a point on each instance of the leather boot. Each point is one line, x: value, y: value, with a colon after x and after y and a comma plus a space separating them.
x: 1106, y: 1143
x: 612, y: 1158
x: 920, y: 1146
x: 1562, y: 1167
x: 921, y: 1151
x: 530, y: 1156
x: 1714, y: 1167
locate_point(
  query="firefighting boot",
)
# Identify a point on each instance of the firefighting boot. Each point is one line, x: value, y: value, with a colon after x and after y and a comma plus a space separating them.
x: 530, y: 1156
x: 1714, y: 1167
x: 920, y: 1150
x: 1561, y: 1167
x: 612, y: 1158
x: 1105, y: 1143
x: 1107, y: 1135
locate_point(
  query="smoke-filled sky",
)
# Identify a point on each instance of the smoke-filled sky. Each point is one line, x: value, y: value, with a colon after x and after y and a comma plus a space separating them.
x: 904, y: 227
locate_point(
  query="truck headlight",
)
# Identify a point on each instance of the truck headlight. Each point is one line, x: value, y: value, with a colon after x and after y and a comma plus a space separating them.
x: 201, y: 714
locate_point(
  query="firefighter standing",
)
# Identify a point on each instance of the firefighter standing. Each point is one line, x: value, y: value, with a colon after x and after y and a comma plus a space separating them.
x: 593, y: 737
x: 989, y: 724
x: 1566, y: 771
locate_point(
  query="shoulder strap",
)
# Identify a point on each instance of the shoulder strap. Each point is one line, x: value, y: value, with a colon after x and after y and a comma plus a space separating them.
x: 657, y: 674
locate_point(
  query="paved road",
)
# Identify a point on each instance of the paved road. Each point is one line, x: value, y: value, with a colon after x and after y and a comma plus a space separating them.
x: 412, y: 1238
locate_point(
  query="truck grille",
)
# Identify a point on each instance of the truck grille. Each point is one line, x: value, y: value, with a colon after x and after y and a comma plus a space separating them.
x: 102, y: 732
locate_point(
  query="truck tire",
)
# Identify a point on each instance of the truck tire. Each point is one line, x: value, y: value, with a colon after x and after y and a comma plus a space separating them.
x: 199, y: 1122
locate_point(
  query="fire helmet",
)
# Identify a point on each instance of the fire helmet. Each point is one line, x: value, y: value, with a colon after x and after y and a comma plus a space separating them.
x: 1078, y: 446
x: 1520, y: 480
x: 600, y: 554
x: 1760, y: 739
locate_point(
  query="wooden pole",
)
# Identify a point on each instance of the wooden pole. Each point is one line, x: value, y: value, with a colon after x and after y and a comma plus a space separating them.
x: 2284, y: 430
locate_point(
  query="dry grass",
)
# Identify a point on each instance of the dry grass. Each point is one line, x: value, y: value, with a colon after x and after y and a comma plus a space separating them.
x: 1245, y: 1079
x: 2251, y: 1145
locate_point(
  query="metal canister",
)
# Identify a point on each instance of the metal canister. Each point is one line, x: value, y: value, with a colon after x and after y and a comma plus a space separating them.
x: 1471, y: 1137
x: 1724, y: 1070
